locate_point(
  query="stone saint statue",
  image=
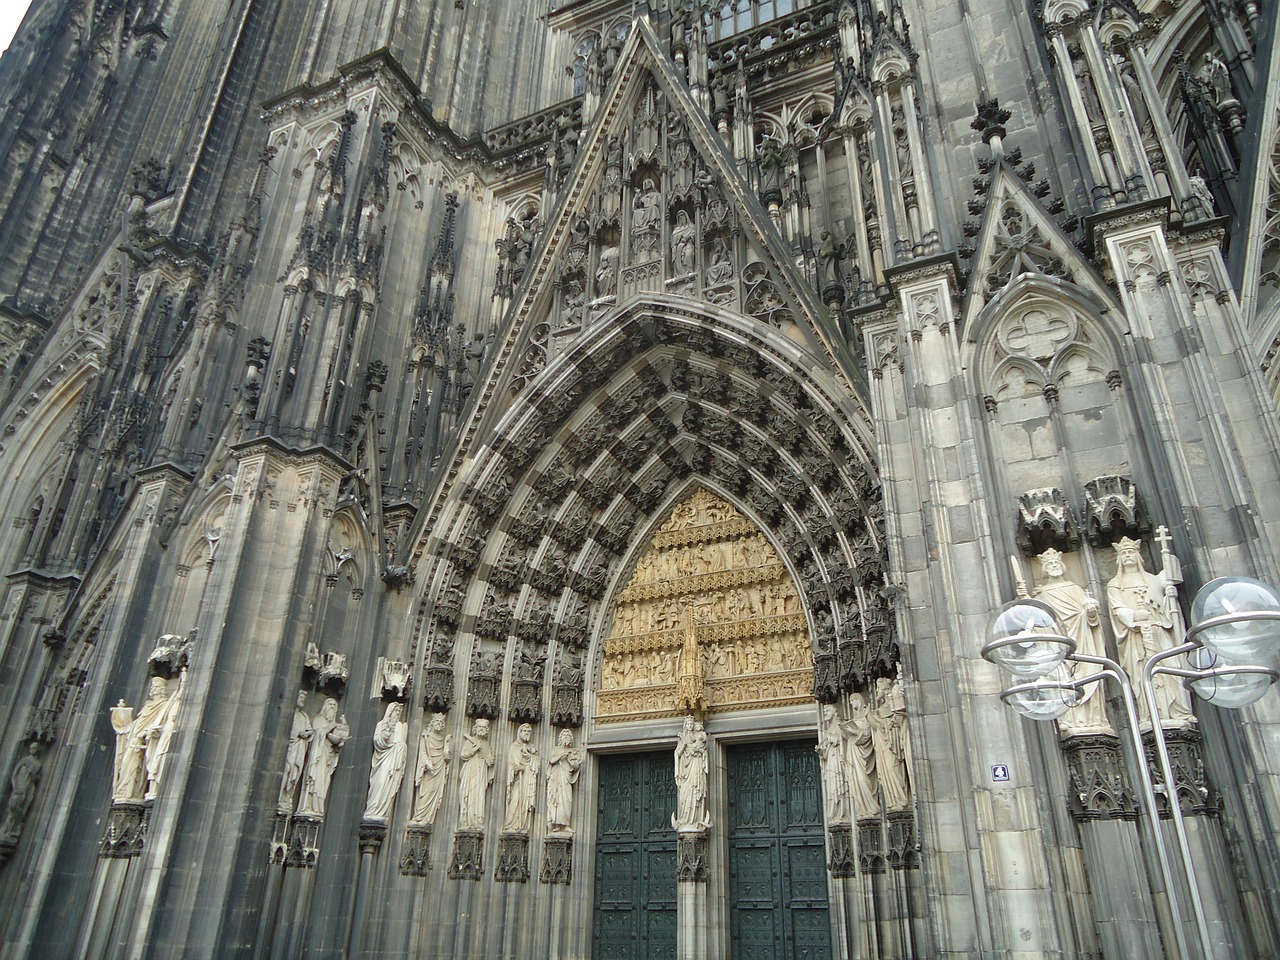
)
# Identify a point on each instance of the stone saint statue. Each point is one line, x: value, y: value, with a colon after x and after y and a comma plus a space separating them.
x: 683, y: 245
x: 476, y: 775
x: 562, y: 773
x: 889, y: 733
x: 860, y: 759
x: 141, y: 742
x: 296, y: 757
x: 390, y: 750
x: 692, y: 769
x: 835, y: 782
x: 22, y: 791
x: 1146, y: 619
x: 522, y: 781
x: 1079, y: 615
x: 435, y: 751
x: 158, y: 745
x: 329, y: 733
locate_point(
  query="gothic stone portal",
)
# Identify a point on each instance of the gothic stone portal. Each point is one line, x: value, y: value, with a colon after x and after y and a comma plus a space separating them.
x: 711, y: 620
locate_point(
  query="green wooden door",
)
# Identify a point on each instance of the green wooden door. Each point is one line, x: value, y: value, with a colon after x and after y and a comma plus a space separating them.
x: 777, y: 870
x: 635, y: 890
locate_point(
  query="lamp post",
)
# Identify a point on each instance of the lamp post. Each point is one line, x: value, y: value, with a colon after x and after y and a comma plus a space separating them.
x: 1236, y: 632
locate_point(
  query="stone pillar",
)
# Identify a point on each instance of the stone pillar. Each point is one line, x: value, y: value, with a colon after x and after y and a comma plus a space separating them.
x: 1105, y: 809
x: 693, y: 903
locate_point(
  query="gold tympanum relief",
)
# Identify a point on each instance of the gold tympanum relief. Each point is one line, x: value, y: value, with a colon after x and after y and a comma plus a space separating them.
x: 710, y: 621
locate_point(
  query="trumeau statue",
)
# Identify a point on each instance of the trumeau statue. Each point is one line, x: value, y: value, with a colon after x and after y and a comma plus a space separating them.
x: 889, y: 733
x: 295, y: 760
x: 692, y: 769
x: 142, y: 741
x: 390, y: 747
x: 435, y: 752
x: 329, y: 733
x: 1146, y: 619
x: 523, y: 767
x: 476, y: 775
x: 835, y: 782
x: 1081, y: 621
x: 562, y: 773
x: 860, y: 758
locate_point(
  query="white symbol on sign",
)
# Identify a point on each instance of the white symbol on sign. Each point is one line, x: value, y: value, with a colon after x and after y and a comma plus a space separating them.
x: 1000, y: 772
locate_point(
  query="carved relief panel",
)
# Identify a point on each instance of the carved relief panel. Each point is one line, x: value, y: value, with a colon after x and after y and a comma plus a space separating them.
x: 711, y: 615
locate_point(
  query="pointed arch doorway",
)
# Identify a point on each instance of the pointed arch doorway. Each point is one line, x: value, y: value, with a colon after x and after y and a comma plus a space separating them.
x: 710, y: 622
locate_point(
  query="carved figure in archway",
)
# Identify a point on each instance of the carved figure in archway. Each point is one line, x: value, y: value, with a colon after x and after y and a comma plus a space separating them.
x: 390, y: 749
x: 835, y: 781
x: 563, y: 765
x: 684, y: 242
x: 295, y: 758
x: 860, y: 756
x: 522, y: 781
x: 22, y: 791
x: 889, y: 733
x: 329, y: 734
x: 477, y: 773
x: 435, y: 752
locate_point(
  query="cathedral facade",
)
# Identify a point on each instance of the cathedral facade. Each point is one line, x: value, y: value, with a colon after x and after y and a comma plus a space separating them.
x: 534, y: 478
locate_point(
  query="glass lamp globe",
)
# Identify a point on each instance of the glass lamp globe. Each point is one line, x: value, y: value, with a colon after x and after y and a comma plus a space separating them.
x: 1025, y: 639
x: 1047, y: 698
x: 1231, y: 690
x: 1242, y: 638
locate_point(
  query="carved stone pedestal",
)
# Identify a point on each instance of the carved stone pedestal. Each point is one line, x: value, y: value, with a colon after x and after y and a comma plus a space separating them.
x: 691, y: 856
x: 904, y: 851
x: 1105, y: 806
x: 304, y: 842
x: 1099, y: 788
x: 513, y: 858
x: 468, y: 853
x: 871, y: 858
x: 840, y: 845
x: 126, y: 829
x: 372, y: 834
x: 1190, y: 784
x: 415, y: 858
x: 557, y: 860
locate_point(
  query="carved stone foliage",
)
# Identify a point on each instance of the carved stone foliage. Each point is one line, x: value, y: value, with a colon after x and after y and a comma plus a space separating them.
x: 711, y: 573
x: 557, y: 860
x: 415, y: 855
x: 1113, y: 509
x: 1099, y: 787
x: 468, y: 856
x: 691, y: 857
x: 1045, y: 520
x: 513, y: 858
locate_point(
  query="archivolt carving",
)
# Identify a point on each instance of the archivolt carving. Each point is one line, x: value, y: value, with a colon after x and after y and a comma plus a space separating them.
x: 711, y: 573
